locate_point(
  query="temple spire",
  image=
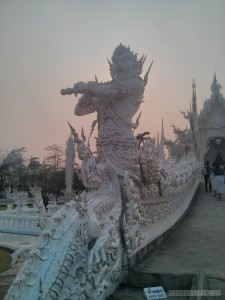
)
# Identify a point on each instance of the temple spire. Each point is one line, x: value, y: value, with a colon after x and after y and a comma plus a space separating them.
x: 194, y: 98
x: 157, y: 143
x: 161, y: 145
x: 162, y: 133
x: 215, y: 87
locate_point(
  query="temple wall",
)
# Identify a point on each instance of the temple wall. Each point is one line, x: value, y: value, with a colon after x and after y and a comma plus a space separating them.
x: 212, y: 126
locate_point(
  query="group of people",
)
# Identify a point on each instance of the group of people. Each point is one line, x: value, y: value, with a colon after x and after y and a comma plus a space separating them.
x: 214, y: 179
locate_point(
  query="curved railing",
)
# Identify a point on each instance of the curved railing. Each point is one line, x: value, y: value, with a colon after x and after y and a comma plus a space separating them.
x: 160, y: 214
x: 57, y: 265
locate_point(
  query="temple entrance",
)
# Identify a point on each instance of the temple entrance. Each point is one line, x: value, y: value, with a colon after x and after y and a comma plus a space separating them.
x: 216, y: 150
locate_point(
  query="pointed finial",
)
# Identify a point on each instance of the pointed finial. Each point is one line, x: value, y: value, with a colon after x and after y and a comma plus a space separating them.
x: 73, y: 132
x: 110, y: 64
x: 142, y: 60
x: 83, y: 135
x: 96, y: 79
x: 193, y: 83
x: 157, y: 140
x: 146, y: 75
x: 161, y: 145
x: 71, y: 128
x: 162, y: 132
x: 193, y: 105
x: 215, y: 87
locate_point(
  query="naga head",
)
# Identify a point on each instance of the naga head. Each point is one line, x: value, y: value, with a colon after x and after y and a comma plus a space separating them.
x: 125, y: 64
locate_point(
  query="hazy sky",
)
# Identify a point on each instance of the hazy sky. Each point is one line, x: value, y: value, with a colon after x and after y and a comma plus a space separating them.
x: 47, y: 45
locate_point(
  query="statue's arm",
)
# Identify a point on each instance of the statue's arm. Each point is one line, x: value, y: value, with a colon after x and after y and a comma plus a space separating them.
x: 92, y: 93
x: 92, y: 89
x: 104, y: 91
x: 120, y: 89
x: 86, y: 105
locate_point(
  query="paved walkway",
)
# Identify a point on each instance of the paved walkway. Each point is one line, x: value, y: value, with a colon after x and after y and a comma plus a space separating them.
x: 197, y: 246
x: 198, y: 243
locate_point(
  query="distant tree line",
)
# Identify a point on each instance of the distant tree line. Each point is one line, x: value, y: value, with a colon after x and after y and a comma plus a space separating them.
x: 19, y: 173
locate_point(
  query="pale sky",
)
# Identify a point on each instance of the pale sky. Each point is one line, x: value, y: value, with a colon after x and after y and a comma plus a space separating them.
x: 47, y: 45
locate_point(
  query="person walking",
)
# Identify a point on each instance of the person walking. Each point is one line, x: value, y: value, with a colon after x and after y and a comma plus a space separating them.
x: 208, y: 185
x: 212, y: 178
x: 218, y: 181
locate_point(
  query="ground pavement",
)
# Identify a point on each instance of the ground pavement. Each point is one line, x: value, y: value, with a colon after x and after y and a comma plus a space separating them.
x: 191, y: 257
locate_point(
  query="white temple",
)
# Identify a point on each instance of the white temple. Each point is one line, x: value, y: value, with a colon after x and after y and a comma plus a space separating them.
x: 211, y: 121
x: 84, y: 249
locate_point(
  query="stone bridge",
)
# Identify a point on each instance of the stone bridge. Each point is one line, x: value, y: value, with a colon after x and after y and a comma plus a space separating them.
x: 191, y: 257
x: 187, y: 255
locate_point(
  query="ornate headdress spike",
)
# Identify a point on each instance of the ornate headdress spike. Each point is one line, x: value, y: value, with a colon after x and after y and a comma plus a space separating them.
x: 83, y: 135
x: 146, y: 75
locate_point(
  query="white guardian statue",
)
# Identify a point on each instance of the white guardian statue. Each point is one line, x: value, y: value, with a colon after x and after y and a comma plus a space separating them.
x: 83, y: 247
x: 115, y: 102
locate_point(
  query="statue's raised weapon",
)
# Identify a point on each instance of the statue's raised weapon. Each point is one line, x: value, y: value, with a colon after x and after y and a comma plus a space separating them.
x: 77, y: 89
x: 92, y: 87
x: 80, y: 88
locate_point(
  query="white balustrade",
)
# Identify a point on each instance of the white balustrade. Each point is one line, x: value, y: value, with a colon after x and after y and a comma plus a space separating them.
x: 23, y: 220
x: 19, y: 223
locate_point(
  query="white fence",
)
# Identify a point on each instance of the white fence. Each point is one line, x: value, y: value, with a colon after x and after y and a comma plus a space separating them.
x: 161, y: 216
x: 19, y: 223
x: 24, y: 220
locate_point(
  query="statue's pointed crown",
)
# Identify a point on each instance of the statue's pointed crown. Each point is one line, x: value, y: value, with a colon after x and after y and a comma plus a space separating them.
x: 125, y: 62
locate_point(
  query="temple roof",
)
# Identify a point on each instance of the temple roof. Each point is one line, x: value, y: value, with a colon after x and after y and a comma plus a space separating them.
x: 215, y: 97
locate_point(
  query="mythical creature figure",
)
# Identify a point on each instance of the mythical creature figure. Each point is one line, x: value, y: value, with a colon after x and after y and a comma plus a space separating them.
x: 38, y: 202
x: 182, y: 144
x: 115, y: 102
x: 150, y: 165
x: 103, y: 201
x: 21, y: 199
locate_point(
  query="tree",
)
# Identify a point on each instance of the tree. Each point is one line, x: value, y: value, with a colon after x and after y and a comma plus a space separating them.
x: 13, y: 168
x: 55, y: 157
x: 2, y: 172
x: 54, y: 162
x: 2, y: 156
x: 34, y: 170
x: 18, y: 173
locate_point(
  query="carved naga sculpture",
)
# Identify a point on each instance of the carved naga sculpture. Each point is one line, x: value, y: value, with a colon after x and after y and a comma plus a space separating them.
x: 103, y: 201
x: 38, y: 202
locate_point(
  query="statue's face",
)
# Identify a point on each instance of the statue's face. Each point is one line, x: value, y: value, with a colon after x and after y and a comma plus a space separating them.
x: 121, y: 71
x: 124, y: 64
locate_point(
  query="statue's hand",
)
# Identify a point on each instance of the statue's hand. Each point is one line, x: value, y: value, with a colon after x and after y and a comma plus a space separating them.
x: 79, y: 87
x: 85, y: 88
